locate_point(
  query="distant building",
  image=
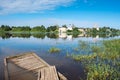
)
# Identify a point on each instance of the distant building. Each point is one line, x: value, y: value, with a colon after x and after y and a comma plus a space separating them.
x: 82, y: 30
x: 69, y: 28
x: 96, y: 26
x: 62, y: 29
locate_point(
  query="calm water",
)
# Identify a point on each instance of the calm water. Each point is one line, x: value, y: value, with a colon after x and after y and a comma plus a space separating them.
x: 40, y: 44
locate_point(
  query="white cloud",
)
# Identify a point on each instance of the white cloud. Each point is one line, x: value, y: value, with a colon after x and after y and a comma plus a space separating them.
x: 30, y: 6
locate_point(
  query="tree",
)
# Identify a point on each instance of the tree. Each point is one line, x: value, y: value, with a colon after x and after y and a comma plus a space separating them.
x: 21, y: 28
x: 39, y: 28
x: 52, y: 28
x: 5, y: 28
x: 65, y: 26
x: 75, y: 29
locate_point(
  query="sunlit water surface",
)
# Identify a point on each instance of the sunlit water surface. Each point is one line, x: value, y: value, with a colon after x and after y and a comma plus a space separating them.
x: 71, y: 69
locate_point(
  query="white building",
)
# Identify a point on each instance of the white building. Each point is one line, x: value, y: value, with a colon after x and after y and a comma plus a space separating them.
x: 96, y: 26
x: 62, y: 29
x: 69, y: 28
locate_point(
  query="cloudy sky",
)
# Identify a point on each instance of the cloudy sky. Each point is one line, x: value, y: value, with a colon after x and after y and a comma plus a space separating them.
x: 82, y: 13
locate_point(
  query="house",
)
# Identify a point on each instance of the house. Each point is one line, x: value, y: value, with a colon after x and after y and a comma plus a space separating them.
x: 62, y: 29
x: 69, y: 28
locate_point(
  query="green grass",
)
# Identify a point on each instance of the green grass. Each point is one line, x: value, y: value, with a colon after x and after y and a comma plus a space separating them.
x: 103, y: 63
x: 101, y: 72
x: 54, y: 50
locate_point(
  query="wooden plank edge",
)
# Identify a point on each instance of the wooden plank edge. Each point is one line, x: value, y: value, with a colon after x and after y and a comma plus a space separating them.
x: 5, y: 69
x: 18, y: 55
x: 41, y: 59
x: 61, y: 76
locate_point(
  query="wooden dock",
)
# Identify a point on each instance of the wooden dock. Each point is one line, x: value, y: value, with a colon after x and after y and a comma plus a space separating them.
x: 29, y: 66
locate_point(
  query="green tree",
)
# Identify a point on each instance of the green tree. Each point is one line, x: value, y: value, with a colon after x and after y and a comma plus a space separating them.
x: 21, y: 28
x: 39, y: 28
x: 65, y: 26
x: 52, y: 28
x: 5, y: 28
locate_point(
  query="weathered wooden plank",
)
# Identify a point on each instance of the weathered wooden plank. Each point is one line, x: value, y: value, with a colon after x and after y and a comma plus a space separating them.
x: 22, y: 58
x: 48, y: 73
x: 24, y: 61
x: 6, y: 69
x: 29, y: 64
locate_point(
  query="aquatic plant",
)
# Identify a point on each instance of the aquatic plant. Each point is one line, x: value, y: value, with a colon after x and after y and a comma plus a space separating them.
x: 82, y: 57
x: 54, y: 50
x: 103, y: 63
x: 96, y: 49
x: 83, y: 44
x: 76, y: 49
x: 100, y: 72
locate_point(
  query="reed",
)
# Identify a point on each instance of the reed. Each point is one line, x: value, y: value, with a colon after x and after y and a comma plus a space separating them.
x: 103, y: 63
x: 54, y: 50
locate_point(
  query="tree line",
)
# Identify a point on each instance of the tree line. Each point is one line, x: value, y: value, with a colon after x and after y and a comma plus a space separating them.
x: 55, y: 28
x: 103, y: 30
x: 49, y: 35
x: 28, y: 28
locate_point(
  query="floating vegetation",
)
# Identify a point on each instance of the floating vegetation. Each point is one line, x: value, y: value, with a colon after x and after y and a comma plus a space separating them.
x: 54, y: 50
x: 82, y: 57
x: 101, y: 72
x: 104, y: 61
x: 83, y: 45
x: 96, y: 49
x: 76, y: 49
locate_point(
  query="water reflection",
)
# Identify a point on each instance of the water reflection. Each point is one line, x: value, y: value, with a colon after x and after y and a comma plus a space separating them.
x: 40, y: 43
x: 39, y: 35
x: 21, y: 35
x: 54, y: 35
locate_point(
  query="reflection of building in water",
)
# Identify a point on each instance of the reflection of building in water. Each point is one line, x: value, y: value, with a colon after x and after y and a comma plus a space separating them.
x: 81, y: 35
x: 96, y: 38
x: 69, y: 37
x: 65, y: 36
x: 82, y: 30
x: 62, y: 35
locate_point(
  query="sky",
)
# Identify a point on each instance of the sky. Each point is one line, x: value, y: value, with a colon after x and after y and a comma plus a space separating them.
x: 81, y: 13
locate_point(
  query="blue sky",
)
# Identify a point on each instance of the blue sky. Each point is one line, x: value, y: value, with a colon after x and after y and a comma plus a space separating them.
x: 81, y: 13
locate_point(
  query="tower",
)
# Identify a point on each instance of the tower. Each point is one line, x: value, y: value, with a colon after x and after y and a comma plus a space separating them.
x: 96, y: 26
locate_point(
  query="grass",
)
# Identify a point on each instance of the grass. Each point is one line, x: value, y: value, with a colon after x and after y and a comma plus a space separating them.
x: 82, y: 57
x: 54, y: 50
x: 103, y: 63
x: 101, y: 72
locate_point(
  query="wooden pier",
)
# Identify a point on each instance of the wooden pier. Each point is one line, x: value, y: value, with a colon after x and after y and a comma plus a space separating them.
x: 29, y: 66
